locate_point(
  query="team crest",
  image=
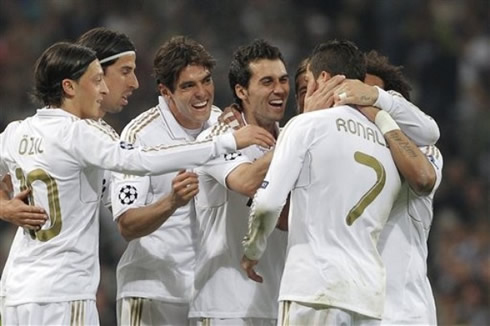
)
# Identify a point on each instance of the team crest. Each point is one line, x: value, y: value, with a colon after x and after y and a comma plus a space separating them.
x: 232, y: 156
x: 128, y: 195
x: 126, y: 145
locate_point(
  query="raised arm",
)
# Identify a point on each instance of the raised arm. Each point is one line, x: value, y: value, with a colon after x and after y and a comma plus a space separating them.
x: 98, y: 149
x: 417, y: 125
x: 410, y: 161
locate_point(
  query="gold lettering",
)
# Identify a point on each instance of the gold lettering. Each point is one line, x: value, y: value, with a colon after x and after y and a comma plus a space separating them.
x: 23, y: 145
x: 360, y: 127
x: 352, y: 126
x: 341, y: 123
x: 379, y: 141
x: 371, y: 134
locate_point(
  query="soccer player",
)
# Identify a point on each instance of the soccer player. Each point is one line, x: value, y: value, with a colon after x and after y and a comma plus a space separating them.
x: 343, y: 182
x: 403, y: 241
x: 155, y: 273
x: 117, y: 55
x: 60, y: 153
x: 300, y: 85
x: 222, y: 293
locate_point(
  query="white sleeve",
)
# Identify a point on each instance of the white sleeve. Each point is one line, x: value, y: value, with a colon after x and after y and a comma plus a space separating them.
x: 4, y: 155
x: 290, y: 152
x: 94, y: 147
x: 418, y: 126
x: 435, y: 158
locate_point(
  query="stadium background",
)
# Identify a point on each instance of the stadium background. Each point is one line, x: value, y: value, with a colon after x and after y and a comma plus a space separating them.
x: 443, y: 44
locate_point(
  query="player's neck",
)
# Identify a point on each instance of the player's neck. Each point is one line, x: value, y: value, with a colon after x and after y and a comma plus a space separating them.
x: 270, y: 126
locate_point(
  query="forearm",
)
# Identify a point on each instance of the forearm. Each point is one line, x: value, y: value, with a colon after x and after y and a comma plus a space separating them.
x: 247, y: 178
x: 262, y: 222
x: 141, y: 221
x: 414, y: 123
x: 411, y: 162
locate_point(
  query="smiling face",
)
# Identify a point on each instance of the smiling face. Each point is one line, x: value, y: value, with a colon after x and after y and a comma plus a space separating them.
x: 264, y: 100
x: 193, y: 97
x: 87, y: 94
x: 121, y: 81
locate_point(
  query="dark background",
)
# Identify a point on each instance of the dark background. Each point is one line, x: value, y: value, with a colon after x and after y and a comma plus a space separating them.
x: 444, y: 46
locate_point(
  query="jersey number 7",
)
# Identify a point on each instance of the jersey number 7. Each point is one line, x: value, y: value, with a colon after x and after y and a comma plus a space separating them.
x: 53, y: 200
x: 373, y: 192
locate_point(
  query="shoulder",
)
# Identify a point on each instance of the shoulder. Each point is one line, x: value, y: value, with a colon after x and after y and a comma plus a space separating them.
x: 140, y: 124
x: 11, y: 127
x: 215, y: 113
x: 88, y: 126
x: 217, y: 129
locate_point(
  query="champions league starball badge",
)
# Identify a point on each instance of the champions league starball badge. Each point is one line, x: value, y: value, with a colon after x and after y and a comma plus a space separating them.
x: 128, y: 195
x: 232, y: 156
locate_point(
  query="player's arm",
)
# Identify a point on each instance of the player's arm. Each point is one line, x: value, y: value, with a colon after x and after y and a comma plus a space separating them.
x: 247, y: 178
x: 16, y: 211
x: 100, y: 150
x: 417, y: 125
x: 412, y: 164
x: 272, y: 195
x: 141, y: 221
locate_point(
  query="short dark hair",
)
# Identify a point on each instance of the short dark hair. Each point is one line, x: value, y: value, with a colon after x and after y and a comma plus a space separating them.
x: 106, y: 43
x: 303, y: 65
x: 338, y: 58
x: 392, y: 75
x: 60, y: 61
x: 239, y: 72
x: 176, y: 54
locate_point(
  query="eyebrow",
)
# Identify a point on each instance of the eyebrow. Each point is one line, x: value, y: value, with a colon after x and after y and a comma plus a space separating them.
x: 192, y: 82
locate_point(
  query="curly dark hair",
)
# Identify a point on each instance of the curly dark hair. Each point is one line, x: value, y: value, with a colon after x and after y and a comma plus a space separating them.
x: 176, y: 54
x: 391, y: 75
x: 239, y: 72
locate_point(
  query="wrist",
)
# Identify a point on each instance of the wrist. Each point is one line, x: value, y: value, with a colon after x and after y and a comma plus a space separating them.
x: 385, y: 122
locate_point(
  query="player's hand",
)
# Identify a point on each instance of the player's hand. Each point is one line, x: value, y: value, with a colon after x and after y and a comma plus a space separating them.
x: 232, y: 117
x: 322, y: 96
x: 17, y: 212
x: 369, y: 111
x: 248, y: 265
x: 354, y: 91
x: 184, y: 186
x: 253, y: 135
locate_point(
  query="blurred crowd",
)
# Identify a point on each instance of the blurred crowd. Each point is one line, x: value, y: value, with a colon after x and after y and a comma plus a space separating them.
x: 444, y: 46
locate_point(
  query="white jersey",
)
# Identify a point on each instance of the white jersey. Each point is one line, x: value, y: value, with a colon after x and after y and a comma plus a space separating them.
x: 403, y: 247
x: 343, y: 183
x: 221, y: 288
x: 414, y: 123
x: 61, y: 158
x: 160, y: 265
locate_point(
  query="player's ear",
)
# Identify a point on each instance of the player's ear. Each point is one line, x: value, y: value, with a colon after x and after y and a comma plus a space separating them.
x: 241, y: 92
x: 68, y: 86
x: 164, y: 90
x: 324, y: 76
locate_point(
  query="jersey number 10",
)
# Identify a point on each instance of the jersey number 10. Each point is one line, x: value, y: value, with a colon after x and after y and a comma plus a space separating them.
x: 53, y: 200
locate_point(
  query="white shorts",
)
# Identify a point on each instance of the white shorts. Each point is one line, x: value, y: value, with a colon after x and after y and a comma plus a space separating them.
x: 293, y: 313
x: 233, y: 321
x: 143, y: 311
x: 73, y: 313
